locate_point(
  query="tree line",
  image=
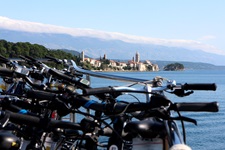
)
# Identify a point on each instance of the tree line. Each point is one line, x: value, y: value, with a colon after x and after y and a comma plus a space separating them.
x: 14, y: 50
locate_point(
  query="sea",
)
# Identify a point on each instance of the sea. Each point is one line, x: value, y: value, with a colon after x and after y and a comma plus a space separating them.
x: 209, y: 134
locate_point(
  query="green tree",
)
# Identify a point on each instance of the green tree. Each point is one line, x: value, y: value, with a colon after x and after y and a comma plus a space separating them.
x: 13, y: 50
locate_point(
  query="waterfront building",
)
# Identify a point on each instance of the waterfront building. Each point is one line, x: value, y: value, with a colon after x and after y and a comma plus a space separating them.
x: 112, y: 63
x: 141, y: 67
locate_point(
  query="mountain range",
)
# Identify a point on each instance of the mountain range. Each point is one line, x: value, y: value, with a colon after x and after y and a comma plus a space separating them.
x: 114, y: 48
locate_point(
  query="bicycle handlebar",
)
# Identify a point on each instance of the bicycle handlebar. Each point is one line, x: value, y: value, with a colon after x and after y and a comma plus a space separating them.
x: 141, y: 106
x: 186, y: 86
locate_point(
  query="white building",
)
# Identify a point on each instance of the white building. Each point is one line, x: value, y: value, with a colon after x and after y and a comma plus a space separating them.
x: 141, y: 67
x: 112, y: 63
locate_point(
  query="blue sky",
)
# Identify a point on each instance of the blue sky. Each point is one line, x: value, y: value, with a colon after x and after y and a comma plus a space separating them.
x: 198, y: 20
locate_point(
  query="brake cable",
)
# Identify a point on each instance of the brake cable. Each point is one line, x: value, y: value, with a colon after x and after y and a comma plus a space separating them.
x: 183, y: 127
x: 182, y: 118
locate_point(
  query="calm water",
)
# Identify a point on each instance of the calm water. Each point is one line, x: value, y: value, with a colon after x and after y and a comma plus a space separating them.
x: 209, y: 134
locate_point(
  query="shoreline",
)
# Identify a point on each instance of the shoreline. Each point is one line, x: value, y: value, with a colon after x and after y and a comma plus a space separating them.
x: 122, y: 71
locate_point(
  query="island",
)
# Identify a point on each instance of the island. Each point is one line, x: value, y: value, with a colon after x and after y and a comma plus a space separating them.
x: 174, y: 67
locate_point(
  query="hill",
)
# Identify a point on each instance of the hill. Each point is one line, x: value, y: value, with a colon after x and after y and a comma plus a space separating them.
x: 10, y: 49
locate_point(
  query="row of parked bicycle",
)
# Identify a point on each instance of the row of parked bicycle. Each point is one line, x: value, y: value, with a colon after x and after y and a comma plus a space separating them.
x: 36, y: 100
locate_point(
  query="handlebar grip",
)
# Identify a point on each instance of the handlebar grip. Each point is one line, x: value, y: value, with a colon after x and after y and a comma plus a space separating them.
x: 3, y: 59
x: 54, y: 59
x: 200, y: 86
x: 39, y: 122
x: 93, y: 91
x: 64, y: 125
x: 6, y: 72
x: 33, y: 61
x: 24, y: 58
x: 40, y: 95
x: 20, y: 104
x: 23, y: 119
x: 197, y: 107
x: 61, y: 75
x: 30, y: 58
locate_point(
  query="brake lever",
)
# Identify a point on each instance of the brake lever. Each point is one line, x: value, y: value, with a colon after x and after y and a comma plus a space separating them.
x: 182, y: 93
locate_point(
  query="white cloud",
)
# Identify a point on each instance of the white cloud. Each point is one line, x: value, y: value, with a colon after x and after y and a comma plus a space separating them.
x: 207, y: 37
x: 19, y: 25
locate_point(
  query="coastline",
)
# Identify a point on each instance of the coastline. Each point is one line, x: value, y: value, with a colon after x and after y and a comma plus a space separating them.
x: 122, y: 71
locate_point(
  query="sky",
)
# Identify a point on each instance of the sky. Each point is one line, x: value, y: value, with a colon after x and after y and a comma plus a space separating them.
x: 195, y: 20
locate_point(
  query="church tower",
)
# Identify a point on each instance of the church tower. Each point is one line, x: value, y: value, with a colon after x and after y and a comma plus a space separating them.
x: 105, y: 57
x: 137, y: 57
x: 82, y: 56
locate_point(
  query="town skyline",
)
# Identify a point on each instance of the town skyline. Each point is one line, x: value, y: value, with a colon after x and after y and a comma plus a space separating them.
x: 132, y: 64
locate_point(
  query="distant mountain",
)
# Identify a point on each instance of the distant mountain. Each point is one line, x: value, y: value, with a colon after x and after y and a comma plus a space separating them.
x: 114, y: 49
